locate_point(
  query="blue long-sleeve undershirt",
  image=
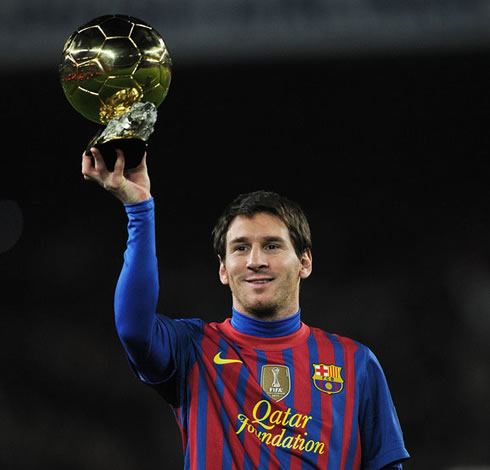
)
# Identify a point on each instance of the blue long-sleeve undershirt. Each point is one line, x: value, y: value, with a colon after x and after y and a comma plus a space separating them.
x: 144, y: 337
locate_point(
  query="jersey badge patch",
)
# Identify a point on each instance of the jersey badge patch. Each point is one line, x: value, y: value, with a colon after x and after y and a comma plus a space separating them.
x: 276, y: 381
x: 328, y: 378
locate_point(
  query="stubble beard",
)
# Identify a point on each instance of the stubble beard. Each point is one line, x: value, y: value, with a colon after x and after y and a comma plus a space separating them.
x: 263, y: 311
x: 267, y: 309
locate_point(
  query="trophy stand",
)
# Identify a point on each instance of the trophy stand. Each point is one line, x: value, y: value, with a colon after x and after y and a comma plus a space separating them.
x: 133, y: 150
x: 128, y: 132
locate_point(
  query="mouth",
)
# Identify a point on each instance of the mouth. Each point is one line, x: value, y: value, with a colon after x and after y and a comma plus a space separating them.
x: 260, y: 281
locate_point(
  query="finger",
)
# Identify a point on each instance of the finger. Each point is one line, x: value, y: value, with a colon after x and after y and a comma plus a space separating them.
x: 141, y: 164
x: 99, y: 161
x: 120, y: 163
x: 143, y: 161
x: 87, y: 169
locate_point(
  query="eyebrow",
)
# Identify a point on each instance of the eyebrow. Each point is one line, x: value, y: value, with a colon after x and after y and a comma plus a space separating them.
x: 268, y: 239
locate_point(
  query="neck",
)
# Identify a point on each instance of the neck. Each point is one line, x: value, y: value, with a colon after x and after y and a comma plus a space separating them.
x: 265, y: 329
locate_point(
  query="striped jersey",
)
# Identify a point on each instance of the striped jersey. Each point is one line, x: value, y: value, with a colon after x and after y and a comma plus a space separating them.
x: 309, y: 400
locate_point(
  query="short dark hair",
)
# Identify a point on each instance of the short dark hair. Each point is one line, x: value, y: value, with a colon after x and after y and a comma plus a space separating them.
x: 269, y: 202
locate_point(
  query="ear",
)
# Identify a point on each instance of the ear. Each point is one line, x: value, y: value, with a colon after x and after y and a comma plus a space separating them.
x: 306, y: 265
x: 223, y: 274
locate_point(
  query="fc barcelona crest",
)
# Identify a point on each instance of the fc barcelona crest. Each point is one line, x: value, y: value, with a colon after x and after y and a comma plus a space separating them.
x: 328, y: 378
x: 275, y: 381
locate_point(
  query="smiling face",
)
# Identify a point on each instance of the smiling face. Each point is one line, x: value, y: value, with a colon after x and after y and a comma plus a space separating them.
x: 262, y: 268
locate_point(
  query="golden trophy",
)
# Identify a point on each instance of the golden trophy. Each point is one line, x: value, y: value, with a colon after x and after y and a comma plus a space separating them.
x: 116, y: 70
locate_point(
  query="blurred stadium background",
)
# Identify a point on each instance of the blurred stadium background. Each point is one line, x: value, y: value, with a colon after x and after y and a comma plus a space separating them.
x: 373, y: 114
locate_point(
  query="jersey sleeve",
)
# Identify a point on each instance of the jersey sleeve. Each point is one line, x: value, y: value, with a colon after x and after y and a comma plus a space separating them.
x: 161, y: 350
x: 381, y: 434
x: 143, y: 334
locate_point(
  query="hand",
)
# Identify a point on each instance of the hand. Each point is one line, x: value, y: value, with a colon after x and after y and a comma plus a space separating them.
x: 128, y: 186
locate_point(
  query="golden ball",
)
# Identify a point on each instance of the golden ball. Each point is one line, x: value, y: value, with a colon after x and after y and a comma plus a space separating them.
x: 112, y: 62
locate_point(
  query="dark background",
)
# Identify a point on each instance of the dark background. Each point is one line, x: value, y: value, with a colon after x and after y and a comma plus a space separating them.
x: 388, y: 155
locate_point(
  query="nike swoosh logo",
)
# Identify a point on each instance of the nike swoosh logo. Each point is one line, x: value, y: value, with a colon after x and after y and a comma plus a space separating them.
x: 219, y: 360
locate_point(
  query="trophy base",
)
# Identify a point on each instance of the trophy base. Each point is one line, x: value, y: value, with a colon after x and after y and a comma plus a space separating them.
x: 133, y: 150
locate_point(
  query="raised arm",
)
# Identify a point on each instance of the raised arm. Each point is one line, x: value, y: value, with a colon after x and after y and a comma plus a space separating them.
x: 143, y: 335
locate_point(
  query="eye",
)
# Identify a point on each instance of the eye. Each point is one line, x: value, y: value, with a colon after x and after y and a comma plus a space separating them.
x: 271, y: 246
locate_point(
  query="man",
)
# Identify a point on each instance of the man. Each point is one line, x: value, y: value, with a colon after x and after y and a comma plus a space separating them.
x: 261, y: 390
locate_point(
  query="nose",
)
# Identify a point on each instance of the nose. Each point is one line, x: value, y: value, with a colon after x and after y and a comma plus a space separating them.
x: 256, y: 258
